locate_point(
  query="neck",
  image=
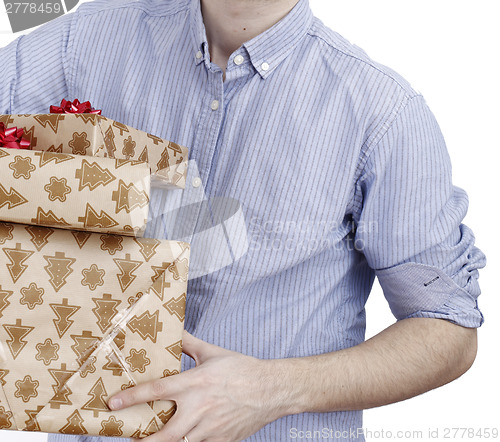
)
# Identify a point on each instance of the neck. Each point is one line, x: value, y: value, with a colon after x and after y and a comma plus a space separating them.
x: 230, y: 23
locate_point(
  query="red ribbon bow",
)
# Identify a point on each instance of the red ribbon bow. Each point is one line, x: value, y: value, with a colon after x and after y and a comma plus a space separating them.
x: 12, y: 138
x: 75, y: 107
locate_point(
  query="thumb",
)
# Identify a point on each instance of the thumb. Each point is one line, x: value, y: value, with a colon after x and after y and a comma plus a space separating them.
x: 199, y: 350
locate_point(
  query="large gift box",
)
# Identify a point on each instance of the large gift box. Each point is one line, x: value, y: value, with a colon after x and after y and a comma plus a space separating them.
x: 95, y: 135
x: 84, y: 315
x: 84, y: 311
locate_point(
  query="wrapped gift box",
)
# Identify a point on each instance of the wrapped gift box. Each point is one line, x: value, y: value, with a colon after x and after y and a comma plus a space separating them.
x: 74, y: 192
x: 84, y: 315
x: 96, y: 135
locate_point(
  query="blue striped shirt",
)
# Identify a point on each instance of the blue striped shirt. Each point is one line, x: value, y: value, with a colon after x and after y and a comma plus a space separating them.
x: 339, y: 164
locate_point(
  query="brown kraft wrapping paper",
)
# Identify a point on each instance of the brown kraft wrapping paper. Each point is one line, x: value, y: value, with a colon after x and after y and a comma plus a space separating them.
x: 95, y: 135
x: 83, y: 316
x: 74, y: 192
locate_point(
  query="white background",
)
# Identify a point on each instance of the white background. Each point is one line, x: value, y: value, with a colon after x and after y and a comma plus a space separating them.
x: 448, y: 50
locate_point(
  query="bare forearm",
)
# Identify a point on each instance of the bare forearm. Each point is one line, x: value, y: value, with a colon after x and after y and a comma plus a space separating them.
x: 407, y: 359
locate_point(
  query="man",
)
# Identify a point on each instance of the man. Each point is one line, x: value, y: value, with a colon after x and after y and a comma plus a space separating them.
x: 343, y: 174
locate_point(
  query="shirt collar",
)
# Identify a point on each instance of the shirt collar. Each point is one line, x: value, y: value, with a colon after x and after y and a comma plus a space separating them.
x: 266, y: 50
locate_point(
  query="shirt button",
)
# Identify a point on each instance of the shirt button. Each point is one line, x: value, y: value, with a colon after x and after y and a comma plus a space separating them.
x: 199, y: 55
x: 196, y: 182
x: 215, y: 105
x: 264, y: 66
x: 238, y: 59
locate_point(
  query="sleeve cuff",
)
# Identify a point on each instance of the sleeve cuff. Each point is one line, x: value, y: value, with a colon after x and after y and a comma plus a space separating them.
x: 416, y: 290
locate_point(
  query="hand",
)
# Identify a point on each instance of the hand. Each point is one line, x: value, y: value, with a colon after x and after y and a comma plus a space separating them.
x: 226, y: 397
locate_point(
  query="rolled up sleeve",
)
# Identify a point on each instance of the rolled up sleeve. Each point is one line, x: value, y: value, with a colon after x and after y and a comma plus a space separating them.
x: 410, y: 223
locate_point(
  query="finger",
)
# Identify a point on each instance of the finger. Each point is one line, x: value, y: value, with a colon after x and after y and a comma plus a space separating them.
x: 155, y: 390
x: 197, y: 434
x: 200, y: 350
x: 175, y: 429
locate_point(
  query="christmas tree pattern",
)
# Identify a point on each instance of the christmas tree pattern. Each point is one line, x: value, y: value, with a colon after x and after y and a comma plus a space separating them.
x: 93, y: 220
x: 48, y: 219
x: 159, y: 283
x: 147, y: 247
x: 88, y: 118
x: 29, y: 134
x: 11, y: 199
x: 120, y: 162
x: 120, y: 340
x: 74, y: 425
x: 127, y: 266
x: 39, y: 236
x: 6, y: 119
x: 156, y: 140
x: 56, y: 155
x: 114, y: 364
x: 32, y: 424
x: 127, y: 197
x: 177, y: 307
x: 152, y: 428
x: 164, y: 162
x: 84, y: 345
x: 4, y: 299
x: 176, y: 149
x: 52, y: 120
x: 166, y: 415
x: 136, y: 434
x: 81, y: 238
x: 58, y: 268
x: 63, y: 312
x: 5, y: 418
x: 17, y: 258
x: 17, y: 333
x: 5, y: 232
x: 3, y: 373
x: 147, y: 325
x: 109, y: 141
x: 105, y: 310
x: 53, y: 148
x: 97, y: 403
x: 144, y: 155
x: 175, y: 350
x: 121, y: 127
x: 92, y: 175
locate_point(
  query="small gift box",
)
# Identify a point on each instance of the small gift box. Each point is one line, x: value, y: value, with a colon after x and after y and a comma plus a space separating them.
x: 74, y: 192
x: 80, y: 130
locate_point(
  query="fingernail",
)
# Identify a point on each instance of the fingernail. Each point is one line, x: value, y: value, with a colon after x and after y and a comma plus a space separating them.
x: 115, y: 403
